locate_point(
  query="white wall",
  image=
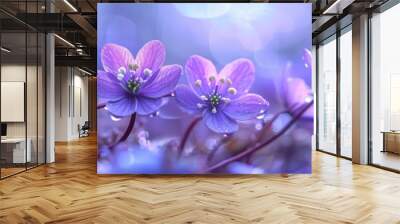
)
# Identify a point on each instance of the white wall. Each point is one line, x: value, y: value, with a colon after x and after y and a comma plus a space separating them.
x: 71, y: 94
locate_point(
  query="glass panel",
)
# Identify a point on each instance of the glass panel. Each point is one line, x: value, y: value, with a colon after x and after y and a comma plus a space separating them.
x: 41, y: 99
x: 31, y: 98
x: 346, y: 94
x: 385, y: 86
x: 327, y: 96
x: 13, y: 86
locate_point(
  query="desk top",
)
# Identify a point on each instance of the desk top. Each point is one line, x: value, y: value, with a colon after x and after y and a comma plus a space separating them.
x: 13, y: 140
x: 391, y: 132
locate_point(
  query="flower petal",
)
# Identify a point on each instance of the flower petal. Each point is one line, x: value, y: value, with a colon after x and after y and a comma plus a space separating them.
x: 219, y: 122
x: 147, y: 105
x: 109, y: 87
x: 241, y: 74
x: 187, y: 99
x: 246, y: 107
x: 307, y: 58
x: 297, y: 92
x: 200, y: 68
x: 151, y: 56
x: 123, y: 107
x: 164, y: 83
x: 114, y: 56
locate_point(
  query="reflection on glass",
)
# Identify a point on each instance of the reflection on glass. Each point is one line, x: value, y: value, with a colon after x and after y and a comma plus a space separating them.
x: 31, y: 97
x: 386, y: 89
x: 345, y: 94
x: 14, y: 153
x: 327, y: 96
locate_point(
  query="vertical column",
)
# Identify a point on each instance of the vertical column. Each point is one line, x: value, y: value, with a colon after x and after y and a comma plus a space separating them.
x: 50, y: 92
x: 360, y: 90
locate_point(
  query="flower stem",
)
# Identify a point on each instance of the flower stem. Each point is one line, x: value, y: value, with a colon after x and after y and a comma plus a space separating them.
x: 186, y: 135
x: 101, y: 106
x: 127, y: 131
x: 214, y: 151
x: 262, y: 145
x: 266, y: 128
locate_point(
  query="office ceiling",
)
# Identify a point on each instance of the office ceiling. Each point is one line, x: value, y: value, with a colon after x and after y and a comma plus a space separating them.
x: 75, y: 22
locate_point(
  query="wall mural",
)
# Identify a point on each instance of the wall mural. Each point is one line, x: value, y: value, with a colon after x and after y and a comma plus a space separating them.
x: 214, y: 88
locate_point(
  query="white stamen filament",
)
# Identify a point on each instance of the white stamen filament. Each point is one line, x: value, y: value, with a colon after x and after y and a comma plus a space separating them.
x: 214, y: 110
x: 232, y: 90
x: 120, y: 76
x: 122, y: 70
x: 147, y: 72
x: 225, y: 99
x: 197, y: 83
x: 204, y: 98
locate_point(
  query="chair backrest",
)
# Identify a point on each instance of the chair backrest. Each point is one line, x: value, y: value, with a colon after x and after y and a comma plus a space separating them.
x: 86, y: 125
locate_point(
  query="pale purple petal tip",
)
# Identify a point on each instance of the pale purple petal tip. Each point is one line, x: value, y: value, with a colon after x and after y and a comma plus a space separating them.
x: 241, y: 73
x: 199, y: 72
x: 151, y: 56
x: 164, y: 83
x: 114, y: 56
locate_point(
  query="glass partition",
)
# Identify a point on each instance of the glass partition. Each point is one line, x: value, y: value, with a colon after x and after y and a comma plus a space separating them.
x: 327, y: 95
x: 14, y: 153
x: 346, y: 93
x: 385, y: 89
x: 22, y: 101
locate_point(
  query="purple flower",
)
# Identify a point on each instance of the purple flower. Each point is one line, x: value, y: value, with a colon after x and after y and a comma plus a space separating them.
x: 295, y: 91
x: 136, y: 85
x: 221, y: 98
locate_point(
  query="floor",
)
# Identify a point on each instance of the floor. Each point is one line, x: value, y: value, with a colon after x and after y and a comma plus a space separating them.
x: 70, y: 191
x: 387, y: 159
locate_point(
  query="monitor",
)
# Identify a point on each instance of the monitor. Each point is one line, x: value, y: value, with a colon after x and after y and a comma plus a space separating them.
x: 3, y: 129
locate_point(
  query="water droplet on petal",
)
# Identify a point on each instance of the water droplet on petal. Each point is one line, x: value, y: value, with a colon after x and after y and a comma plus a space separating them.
x: 308, y: 99
x: 114, y: 118
x: 260, y: 117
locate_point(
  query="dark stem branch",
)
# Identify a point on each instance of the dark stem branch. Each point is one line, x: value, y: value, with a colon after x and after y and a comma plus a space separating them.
x: 186, y: 135
x: 128, y: 130
x: 216, y: 148
x: 101, y: 106
x: 248, y: 151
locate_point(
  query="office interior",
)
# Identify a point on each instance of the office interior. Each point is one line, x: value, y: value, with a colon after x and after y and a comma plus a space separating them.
x: 48, y: 85
x: 25, y: 59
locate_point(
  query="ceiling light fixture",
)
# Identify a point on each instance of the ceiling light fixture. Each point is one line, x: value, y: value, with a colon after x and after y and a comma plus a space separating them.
x: 5, y: 50
x: 84, y: 71
x: 70, y: 5
x: 64, y: 40
x: 337, y: 7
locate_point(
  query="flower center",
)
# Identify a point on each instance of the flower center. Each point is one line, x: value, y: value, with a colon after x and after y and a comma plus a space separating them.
x: 133, y: 85
x: 215, y: 99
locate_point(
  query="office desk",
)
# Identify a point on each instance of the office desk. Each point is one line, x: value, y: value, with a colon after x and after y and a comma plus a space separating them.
x: 391, y: 141
x: 16, y: 148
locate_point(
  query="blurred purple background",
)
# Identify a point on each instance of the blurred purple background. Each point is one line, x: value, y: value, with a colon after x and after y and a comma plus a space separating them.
x: 274, y: 37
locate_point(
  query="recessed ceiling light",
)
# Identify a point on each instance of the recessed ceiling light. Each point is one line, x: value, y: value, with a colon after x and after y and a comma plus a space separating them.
x: 5, y: 50
x: 84, y: 71
x: 64, y: 40
x: 70, y: 5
